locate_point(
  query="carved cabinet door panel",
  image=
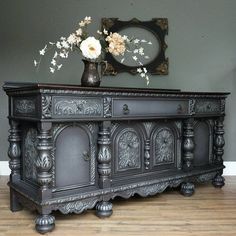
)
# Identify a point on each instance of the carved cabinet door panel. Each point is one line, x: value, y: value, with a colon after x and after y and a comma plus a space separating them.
x: 163, y: 147
x: 127, y: 150
x: 73, y: 158
x: 203, y: 140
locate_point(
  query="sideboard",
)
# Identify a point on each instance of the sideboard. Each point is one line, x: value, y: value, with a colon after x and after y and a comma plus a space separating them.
x: 74, y: 148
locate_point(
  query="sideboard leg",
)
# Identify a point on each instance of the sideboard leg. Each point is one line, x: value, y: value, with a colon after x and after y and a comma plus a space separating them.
x: 14, y: 203
x: 44, y: 223
x: 187, y: 189
x: 104, y: 209
x: 218, y: 181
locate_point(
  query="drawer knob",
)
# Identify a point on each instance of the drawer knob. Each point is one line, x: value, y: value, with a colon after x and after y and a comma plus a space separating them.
x: 125, y: 109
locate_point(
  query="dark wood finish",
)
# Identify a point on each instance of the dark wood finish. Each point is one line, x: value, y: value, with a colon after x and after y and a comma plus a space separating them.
x: 75, y: 148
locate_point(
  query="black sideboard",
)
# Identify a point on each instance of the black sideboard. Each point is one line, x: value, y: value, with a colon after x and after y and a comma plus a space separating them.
x: 75, y: 148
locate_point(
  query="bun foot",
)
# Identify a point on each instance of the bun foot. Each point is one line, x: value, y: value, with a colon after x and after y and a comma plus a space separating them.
x: 44, y: 223
x: 187, y: 189
x: 104, y: 209
x: 218, y: 181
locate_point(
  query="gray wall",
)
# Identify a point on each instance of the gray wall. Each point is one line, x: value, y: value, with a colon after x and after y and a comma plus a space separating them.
x: 202, y: 46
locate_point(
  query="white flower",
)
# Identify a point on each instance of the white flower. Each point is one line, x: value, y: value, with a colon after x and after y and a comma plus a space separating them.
x: 139, y: 70
x: 87, y: 20
x: 140, y: 50
x: 135, y: 58
x: 81, y: 23
x: 143, y: 40
x: 63, y: 38
x: 79, y: 31
x: 62, y: 55
x: 99, y: 32
x: 52, y: 70
x: 145, y: 69
x: 136, y: 41
x: 142, y: 75
x: 73, y: 39
x: 58, y: 45
x: 65, y: 44
x: 53, y: 62
x: 125, y: 37
x: 150, y: 43
x: 91, y: 48
x: 135, y: 50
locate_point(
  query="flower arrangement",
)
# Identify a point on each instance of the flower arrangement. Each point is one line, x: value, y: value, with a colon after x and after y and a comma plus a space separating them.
x: 93, y: 49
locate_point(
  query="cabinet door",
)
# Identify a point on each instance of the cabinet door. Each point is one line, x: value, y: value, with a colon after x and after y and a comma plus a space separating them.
x: 163, y: 147
x: 127, y: 150
x: 73, y: 158
x: 203, y: 140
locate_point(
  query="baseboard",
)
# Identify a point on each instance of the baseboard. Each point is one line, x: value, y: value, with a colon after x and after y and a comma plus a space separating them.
x: 229, y: 170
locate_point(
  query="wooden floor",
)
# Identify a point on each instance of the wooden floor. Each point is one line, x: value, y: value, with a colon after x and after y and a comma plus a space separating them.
x: 209, y: 211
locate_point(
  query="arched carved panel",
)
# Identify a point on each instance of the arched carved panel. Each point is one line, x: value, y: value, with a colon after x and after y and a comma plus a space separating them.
x: 163, y: 143
x: 30, y: 154
x: 128, y: 150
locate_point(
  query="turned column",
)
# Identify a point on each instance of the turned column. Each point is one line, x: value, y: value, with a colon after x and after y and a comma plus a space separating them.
x: 187, y: 188
x: 219, y: 143
x: 14, y: 153
x: 104, y: 208
x: 188, y: 145
x: 104, y: 155
x: 44, y: 222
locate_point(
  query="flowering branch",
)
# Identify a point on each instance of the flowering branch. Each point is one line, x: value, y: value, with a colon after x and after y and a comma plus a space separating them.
x: 93, y: 49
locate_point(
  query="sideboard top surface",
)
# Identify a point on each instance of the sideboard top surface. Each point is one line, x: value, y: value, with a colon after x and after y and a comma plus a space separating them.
x: 18, y: 86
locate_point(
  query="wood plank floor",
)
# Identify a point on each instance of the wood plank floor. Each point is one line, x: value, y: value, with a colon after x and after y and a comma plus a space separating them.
x: 209, y: 211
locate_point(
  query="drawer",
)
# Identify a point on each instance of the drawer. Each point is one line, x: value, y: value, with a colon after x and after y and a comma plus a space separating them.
x: 73, y: 107
x: 207, y: 106
x: 149, y: 107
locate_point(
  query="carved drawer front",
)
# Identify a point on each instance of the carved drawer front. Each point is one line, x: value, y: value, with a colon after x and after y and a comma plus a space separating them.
x: 149, y: 107
x: 208, y: 106
x: 72, y: 107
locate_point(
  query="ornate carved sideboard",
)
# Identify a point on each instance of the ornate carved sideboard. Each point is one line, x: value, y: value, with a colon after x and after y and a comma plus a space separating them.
x: 75, y: 148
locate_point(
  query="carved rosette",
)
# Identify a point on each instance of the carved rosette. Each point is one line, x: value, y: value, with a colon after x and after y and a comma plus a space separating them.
x: 188, y: 144
x: 219, y: 141
x: 44, y: 160
x: 163, y: 146
x: 104, y: 155
x: 128, y: 150
x: 14, y: 151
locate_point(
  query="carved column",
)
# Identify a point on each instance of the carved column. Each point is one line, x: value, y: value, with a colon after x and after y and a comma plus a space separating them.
x: 14, y: 153
x: 104, y: 208
x: 44, y: 161
x: 104, y: 155
x: 188, y: 145
x: 147, y: 154
x: 219, y: 143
